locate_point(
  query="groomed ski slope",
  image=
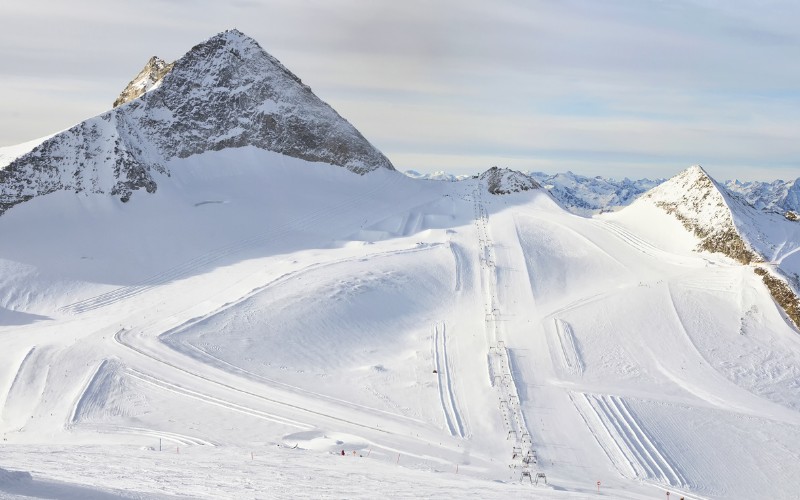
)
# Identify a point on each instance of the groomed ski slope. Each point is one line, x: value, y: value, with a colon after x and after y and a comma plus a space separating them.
x: 260, y: 314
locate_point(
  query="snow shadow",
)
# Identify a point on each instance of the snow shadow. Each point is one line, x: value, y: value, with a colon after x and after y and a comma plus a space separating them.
x: 17, y: 318
x: 22, y: 483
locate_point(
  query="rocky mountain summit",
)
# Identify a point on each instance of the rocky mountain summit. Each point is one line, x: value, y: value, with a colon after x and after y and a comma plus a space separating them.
x: 146, y: 80
x: 506, y: 181
x: 226, y: 92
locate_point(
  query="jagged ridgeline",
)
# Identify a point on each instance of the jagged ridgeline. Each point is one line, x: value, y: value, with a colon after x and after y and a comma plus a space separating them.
x: 226, y: 92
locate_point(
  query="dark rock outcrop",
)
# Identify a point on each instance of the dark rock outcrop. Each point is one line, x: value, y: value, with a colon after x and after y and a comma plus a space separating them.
x: 505, y: 181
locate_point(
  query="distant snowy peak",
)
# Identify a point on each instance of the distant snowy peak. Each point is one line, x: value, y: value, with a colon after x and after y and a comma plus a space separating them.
x: 505, y: 181
x: 777, y: 196
x: 588, y: 195
x: 695, y: 199
x: 436, y: 176
x: 226, y: 92
x: 146, y: 80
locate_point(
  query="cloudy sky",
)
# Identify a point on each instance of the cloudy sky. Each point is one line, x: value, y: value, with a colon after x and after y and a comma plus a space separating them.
x: 637, y: 88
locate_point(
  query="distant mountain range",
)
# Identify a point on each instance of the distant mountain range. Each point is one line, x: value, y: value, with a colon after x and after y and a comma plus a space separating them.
x: 590, y: 195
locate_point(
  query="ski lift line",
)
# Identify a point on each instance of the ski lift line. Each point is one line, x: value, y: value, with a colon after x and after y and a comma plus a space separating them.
x: 509, y: 404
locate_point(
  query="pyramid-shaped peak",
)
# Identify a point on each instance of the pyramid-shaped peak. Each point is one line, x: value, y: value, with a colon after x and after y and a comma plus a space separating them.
x: 233, y: 35
x: 704, y: 208
x: 695, y: 172
x: 231, y: 38
x: 689, y: 183
x: 226, y: 92
x: 229, y: 92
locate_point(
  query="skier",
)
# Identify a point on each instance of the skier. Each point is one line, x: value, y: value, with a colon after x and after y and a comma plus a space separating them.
x: 342, y: 452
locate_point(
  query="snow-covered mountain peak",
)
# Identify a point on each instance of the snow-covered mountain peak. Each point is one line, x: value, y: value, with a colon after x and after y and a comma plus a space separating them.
x: 505, y: 181
x: 703, y: 207
x: 226, y: 92
x: 146, y: 80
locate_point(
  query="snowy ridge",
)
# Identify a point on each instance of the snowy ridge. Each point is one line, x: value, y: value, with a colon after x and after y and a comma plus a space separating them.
x: 226, y: 92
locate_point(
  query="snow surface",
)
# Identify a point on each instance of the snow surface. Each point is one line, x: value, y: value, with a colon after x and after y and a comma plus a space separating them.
x: 232, y: 333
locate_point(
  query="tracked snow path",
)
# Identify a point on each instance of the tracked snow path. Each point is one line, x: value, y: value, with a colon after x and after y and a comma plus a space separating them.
x: 444, y: 381
x: 566, y: 340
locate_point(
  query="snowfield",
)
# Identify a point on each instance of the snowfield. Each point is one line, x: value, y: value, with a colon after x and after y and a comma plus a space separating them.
x: 231, y: 334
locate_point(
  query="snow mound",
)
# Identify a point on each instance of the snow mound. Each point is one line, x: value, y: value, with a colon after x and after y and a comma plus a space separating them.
x: 13, y: 477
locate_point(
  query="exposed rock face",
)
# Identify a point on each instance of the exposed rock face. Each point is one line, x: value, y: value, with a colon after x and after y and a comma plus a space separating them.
x: 225, y: 92
x: 505, y: 181
x: 696, y: 200
x: 782, y: 293
x: 149, y: 77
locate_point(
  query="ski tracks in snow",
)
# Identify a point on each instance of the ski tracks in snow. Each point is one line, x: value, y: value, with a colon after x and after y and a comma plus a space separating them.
x: 632, y: 450
x: 459, y: 264
x: 444, y: 379
x: 569, y: 349
x: 643, y: 246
